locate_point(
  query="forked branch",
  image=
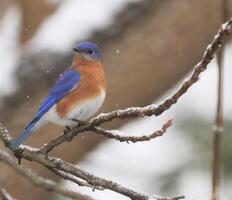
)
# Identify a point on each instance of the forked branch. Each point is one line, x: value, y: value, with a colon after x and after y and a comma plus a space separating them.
x: 153, y: 109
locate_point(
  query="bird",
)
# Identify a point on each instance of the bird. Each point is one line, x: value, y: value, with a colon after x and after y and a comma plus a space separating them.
x: 77, y: 94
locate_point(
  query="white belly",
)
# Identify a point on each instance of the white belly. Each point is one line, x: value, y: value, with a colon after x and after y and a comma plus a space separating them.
x: 82, y: 112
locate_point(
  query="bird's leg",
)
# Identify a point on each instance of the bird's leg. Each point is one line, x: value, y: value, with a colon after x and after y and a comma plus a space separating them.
x: 18, y: 154
x: 70, y: 139
x: 67, y: 129
x: 80, y: 123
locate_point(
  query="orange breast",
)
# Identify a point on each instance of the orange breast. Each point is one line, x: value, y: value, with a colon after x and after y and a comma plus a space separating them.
x: 91, y: 84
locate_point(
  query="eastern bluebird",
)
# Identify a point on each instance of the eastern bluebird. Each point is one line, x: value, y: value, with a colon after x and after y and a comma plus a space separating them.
x: 76, y: 96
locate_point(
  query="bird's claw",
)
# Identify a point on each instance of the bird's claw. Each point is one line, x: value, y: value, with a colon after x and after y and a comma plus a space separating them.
x: 80, y: 123
x: 67, y: 129
x: 18, y: 155
x: 69, y: 139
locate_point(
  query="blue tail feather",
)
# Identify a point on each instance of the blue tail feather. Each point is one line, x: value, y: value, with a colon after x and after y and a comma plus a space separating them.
x: 27, y: 132
x: 30, y: 127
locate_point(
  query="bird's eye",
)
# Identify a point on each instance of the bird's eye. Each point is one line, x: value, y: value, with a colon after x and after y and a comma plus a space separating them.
x: 90, y: 51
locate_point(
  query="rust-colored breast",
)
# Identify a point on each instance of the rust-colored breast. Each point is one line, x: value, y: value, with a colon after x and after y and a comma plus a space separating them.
x: 91, y: 84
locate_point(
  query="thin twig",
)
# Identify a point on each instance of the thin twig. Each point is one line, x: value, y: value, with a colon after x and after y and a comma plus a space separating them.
x: 218, y: 123
x: 217, y: 130
x: 4, y: 195
x: 40, y: 181
x: 73, y: 179
x: 150, y: 110
x: 33, y: 154
x: 166, y: 198
x: 113, y: 134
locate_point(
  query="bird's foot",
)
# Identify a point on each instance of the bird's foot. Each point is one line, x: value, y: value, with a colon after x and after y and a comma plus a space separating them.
x: 67, y: 129
x: 18, y: 155
x: 69, y: 139
x: 80, y: 123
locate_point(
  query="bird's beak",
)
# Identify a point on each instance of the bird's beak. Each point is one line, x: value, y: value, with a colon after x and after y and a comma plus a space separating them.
x: 76, y: 50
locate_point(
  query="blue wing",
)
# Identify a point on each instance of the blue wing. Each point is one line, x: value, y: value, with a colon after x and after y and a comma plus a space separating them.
x: 67, y: 82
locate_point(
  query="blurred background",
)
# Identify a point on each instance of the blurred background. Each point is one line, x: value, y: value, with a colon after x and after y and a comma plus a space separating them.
x: 149, y: 47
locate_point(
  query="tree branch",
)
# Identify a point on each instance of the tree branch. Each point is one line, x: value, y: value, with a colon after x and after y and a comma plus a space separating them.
x: 38, y: 180
x: 218, y: 123
x: 33, y: 154
x: 153, y: 109
x: 73, y: 179
x: 114, y: 134
x: 4, y: 195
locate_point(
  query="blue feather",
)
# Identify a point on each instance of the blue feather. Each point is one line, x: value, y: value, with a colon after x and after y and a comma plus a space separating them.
x: 27, y: 132
x: 67, y: 82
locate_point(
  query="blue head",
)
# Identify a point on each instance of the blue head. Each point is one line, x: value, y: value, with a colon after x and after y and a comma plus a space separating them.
x: 88, y: 50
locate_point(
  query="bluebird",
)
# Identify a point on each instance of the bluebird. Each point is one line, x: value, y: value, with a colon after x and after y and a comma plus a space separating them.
x: 76, y: 96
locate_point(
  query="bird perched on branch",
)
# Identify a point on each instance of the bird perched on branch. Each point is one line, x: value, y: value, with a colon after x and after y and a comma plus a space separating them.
x: 76, y: 96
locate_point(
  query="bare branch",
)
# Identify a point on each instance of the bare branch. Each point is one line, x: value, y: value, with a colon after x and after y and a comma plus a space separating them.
x: 166, y: 198
x: 33, y: 154
x: 150, y: 110
x: 218, y: 123
x: 4, y: 195
x: 38, y: 180
x: 73, y: 179
x: 113, y: 134
x: 217, y: 131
